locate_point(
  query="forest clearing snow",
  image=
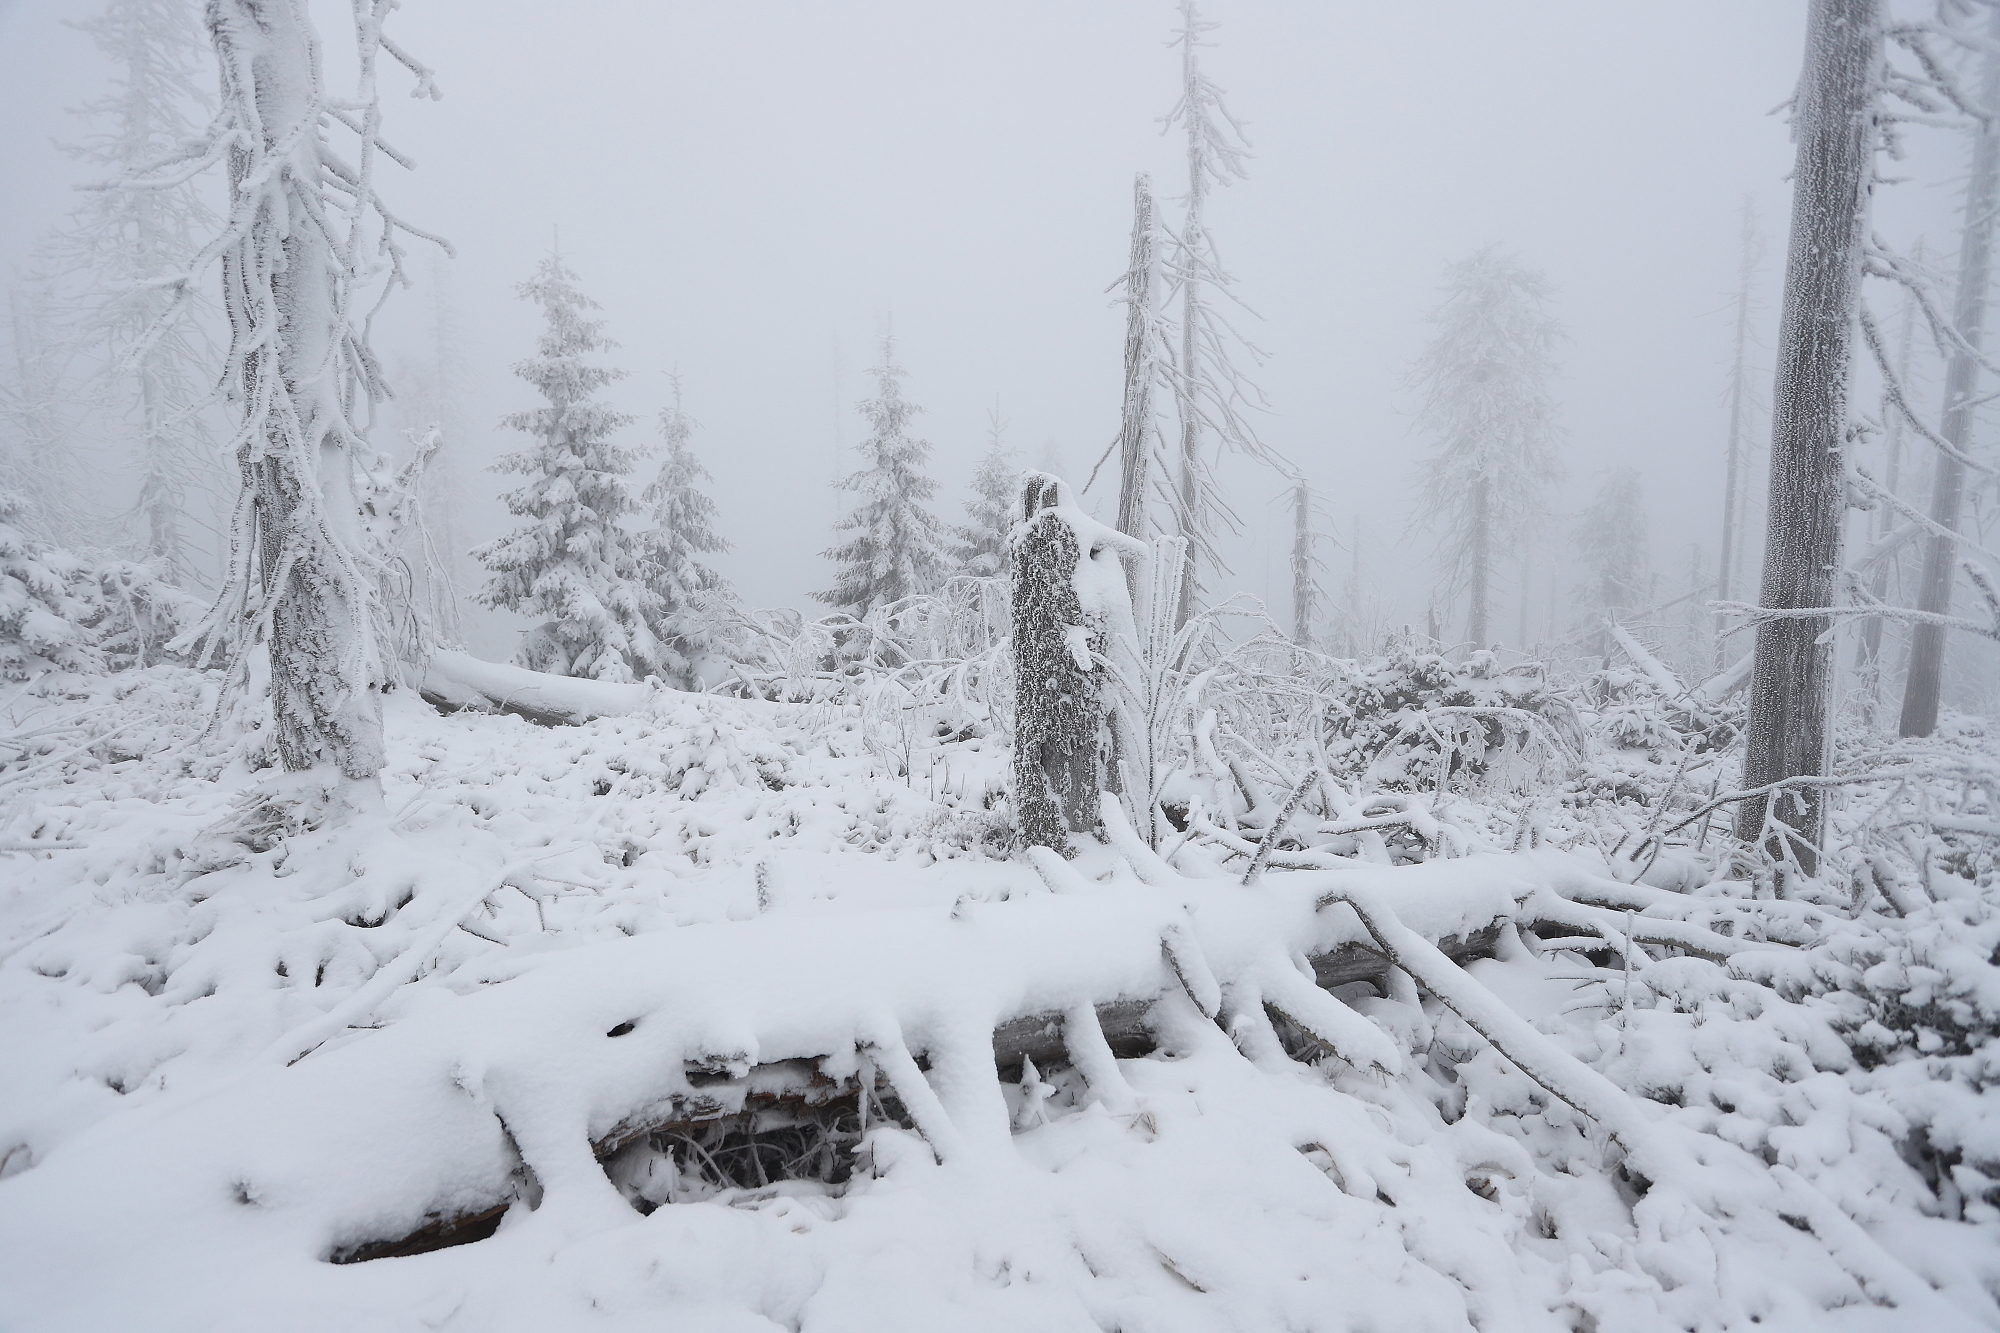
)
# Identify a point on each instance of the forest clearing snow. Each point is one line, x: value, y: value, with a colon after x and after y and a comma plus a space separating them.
x: 221, y: 1066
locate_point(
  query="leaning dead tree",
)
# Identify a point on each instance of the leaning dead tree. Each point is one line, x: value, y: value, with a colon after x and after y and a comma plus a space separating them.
x: 1835, y: 126
x: 1737, y: 455
x: 1924, y: 685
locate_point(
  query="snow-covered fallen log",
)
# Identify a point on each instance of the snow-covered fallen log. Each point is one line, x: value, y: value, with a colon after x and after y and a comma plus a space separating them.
x: 454, y: 680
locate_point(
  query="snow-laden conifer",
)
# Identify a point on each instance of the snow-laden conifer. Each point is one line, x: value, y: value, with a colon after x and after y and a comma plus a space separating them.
x: 897, y: 546
x: 684, y: 592
x: 1486, y: 405
x: 43, y: 602
x: 981, y: 548
x: 572, y: 565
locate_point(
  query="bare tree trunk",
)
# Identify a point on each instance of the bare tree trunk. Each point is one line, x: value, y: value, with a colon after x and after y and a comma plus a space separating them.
x: 1058, y: 711
x: 1136, y: 421
x: 1302, y: 556
x: 1925, y: 683
x: 1739, y: 425
x: 1481, y: 573
x: 1835, y: 129
x: 1892, y: 471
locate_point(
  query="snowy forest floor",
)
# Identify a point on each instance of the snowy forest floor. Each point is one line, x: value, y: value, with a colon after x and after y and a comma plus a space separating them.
x: 559, y: 999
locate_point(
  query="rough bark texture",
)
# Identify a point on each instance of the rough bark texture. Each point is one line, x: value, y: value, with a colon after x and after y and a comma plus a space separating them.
x: 1921, y: 690
x: 1058, y: 714
x: 1835, y: 128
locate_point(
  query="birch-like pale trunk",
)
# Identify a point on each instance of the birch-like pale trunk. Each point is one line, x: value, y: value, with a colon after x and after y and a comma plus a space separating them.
x: 1835, y: 126
x: 1925, y: 683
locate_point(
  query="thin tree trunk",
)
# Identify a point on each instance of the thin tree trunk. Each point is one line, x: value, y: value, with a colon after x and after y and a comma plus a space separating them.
x: 1480, y: 574
x: 1922, y: 689
x: 1871, y: 634
x: 1302, y: 581
x: 1732, y: 485
x: 1835, y: 129
x: 1136, y: 420
x: 1191, y: 498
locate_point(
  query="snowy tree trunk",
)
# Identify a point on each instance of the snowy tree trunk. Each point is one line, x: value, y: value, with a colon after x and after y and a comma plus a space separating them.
x: 1058, y: 712
x: 1835, y: 128
x: 280, y: 288
x: 1134, y: 449
x: 1892, y: 474
x: 1302, y: 565
x: 1479, y: 574
x: 1925, y: 682
x: 1732, y: 483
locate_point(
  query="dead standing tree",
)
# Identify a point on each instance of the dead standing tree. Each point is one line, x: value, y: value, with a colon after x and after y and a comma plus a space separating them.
x: 1924, y: 685
x: 1836, y: 131
x: 1058, y: 709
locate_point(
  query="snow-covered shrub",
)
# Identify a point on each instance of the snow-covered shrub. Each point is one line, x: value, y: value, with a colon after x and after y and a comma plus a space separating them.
x: 1629, y: 710
x: 45, y: 604
x: 1417, y: 721
x: 60, y: 612
x: 137, y: 614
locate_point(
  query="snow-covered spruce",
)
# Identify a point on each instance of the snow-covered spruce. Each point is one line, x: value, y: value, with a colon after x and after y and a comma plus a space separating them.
x: 980, y: 551
x: 573, y: 565
x: 686, y: 596
x: 897, y: 547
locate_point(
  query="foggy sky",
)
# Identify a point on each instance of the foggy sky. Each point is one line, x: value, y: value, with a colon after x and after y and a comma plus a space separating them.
x: 754, y: 190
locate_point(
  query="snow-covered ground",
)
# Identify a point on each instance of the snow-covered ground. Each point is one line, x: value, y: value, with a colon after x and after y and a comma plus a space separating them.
x: 522, y: 988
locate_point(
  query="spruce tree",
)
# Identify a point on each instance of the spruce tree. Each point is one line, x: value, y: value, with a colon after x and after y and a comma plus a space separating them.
x: 571, y: 564
x: 896, y: 549
x: 981, y: 548
x: 683, y: 591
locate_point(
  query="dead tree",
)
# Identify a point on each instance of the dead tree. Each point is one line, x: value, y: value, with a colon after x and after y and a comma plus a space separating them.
x: 1141, y: 366
x: 1737, y: 456
x: 1923, y: 686
x: 1835, y: 126
x: 1058, y: 709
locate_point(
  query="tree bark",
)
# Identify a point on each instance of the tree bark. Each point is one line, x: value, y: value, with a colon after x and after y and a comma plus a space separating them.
x: 1924, y: 685
x: 1058, y: 712
x: 1835, y: 129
